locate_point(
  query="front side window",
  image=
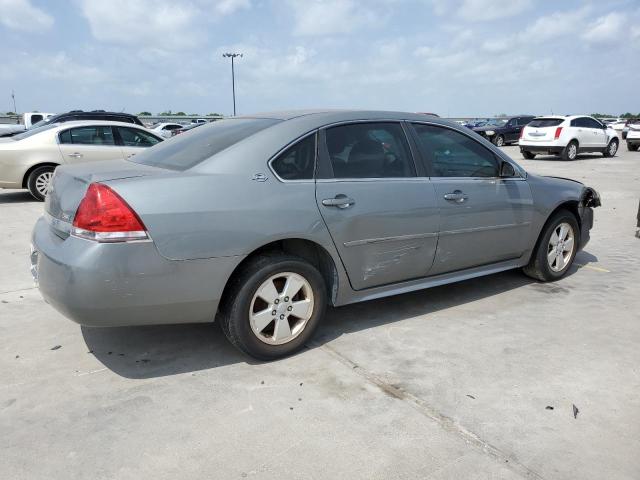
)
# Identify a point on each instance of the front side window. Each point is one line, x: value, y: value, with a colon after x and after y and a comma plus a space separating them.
x: 98, y: 135
x: 132, y: 137
x: 298, y: 161
x: 369, y: 150
x: 592, y: 123
x: 453, y: 154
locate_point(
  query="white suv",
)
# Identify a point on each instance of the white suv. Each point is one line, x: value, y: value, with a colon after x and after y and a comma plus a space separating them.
x: 567, y: 136
x: 633, y: 135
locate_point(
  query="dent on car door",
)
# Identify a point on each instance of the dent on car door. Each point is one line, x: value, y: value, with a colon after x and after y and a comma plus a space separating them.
x: 88, y: 144
x: 382, y: 217
x: 484, y: 218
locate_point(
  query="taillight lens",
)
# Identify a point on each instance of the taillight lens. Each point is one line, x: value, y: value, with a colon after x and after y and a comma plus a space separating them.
x: 558, y: 132
x: 522, y: 132
x: 104, y: 216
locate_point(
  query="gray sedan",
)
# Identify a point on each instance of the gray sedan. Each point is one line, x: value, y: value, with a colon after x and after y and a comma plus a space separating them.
x: 260, y: 222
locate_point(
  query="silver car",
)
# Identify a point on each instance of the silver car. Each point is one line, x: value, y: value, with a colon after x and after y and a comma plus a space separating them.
x: 262, y: 221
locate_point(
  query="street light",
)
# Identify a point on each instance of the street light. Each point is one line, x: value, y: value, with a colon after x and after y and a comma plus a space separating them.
x: 233, y: 77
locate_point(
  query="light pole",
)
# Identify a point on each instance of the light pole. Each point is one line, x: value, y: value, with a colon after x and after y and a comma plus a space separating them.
x: 13, y: 97
x: 233, y: 77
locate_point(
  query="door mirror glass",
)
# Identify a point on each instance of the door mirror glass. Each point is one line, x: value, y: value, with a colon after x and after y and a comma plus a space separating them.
x: 507, y: 170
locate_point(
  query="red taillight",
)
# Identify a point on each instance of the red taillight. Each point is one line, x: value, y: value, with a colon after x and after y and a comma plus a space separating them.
x: 522, y: 132
x: 103, y: 215
x: 558, y: 132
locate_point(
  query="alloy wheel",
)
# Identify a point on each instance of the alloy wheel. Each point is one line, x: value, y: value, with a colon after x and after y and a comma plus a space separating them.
x: 561, y: 246
x: 573, y: 151
x: 613, y: 148
x: 43, y: 181
x: 500, y: 141
x: 281, y: 308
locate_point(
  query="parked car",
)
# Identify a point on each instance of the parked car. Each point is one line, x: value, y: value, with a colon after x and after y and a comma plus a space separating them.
x: 199, y: 120
x: 77, y: 115
x: 265, y: 220
x: 567, y: 137
x: 186, y: 128
x: 26, y: 121
x: 27, y: 160
x: 618, y: 124
x: 627, y: 125
x: 167, y: 130
x: 505, y: 132
x: 633, y: 136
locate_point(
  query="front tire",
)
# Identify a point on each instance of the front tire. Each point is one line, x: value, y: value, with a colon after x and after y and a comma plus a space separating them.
x: 39, y: 182
x: 570, y: 152
x: 611, y: 149
x: 273, y: 306
x: 528, y: 155
x: 556, y: 248
x: 499, y: 141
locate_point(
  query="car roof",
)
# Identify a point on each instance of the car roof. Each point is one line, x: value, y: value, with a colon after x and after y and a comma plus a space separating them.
x: 85, y: 123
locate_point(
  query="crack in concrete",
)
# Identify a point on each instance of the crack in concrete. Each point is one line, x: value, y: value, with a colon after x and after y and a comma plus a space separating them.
x: 18, y: 290
x: 445, y: 422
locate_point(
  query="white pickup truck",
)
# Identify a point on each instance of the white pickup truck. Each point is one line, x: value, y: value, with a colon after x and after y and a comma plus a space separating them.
x: 26, y: 120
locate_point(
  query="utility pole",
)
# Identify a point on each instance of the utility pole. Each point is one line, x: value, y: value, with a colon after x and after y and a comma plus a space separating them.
x: 232, y: 56
x: 13, y: 97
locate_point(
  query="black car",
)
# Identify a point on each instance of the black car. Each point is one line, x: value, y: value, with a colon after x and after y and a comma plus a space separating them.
x: 507, y: 131
x: 92, y: 115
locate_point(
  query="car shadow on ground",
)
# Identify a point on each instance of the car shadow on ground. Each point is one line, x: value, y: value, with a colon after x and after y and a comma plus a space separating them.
x: 16, y: 197
x: 158, y: 351
x: 557, y: 158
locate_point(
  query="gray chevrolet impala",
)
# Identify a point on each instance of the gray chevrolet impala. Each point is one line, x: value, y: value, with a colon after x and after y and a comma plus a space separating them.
x: 259, y: 222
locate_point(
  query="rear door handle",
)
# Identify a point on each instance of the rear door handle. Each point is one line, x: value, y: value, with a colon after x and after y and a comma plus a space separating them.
x: 456, y: 196
x: 75, y: 155
x: 340, y: 201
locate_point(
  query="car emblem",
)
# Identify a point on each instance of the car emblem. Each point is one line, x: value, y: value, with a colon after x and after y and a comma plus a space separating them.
x: 260, y: 177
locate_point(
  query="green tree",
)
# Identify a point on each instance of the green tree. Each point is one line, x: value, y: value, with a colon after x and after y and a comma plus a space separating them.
x: 194, y: 114
x: 10, y: 113
x: 179, y: 114
x: 166, y: 113
x: 214, y: 115
x: 143, y: 114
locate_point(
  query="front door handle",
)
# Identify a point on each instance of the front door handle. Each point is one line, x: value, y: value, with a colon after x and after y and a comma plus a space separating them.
x: 75, y: 155
x: 340, y: 201
x: 456, y: 196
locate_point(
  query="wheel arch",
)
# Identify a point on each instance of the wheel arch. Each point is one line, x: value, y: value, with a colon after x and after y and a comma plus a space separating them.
x: 572, y: 206
x: 311, y: 251
x: 25, y: 178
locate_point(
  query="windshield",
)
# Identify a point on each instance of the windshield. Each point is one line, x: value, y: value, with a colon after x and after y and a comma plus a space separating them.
x: 198, y: 144
x: 42, y: 122
x: 33, y: 131
x: 545, y: 122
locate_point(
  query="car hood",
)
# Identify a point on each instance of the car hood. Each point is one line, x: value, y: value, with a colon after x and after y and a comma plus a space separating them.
x: 485, y: 128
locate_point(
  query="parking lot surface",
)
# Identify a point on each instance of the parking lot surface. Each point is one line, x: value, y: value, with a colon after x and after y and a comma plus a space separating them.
x: 499, y: 377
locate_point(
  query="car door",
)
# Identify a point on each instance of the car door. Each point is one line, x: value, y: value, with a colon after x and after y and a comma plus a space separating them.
x: 483, y: 218
x: 510, y: 130
x: 88, y: 144
x: 582, y: 132
x: 598, y: 133
x: 382, y: 216
x: 133, y: 140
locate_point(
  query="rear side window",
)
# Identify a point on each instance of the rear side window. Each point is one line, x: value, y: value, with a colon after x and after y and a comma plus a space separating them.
x: 369, y: 150
x: 193, y: 147
x: 453, y: 154
x: 298, y: 161
x: 98, y: 135
x: 545, y: 122
x: 133, y: 137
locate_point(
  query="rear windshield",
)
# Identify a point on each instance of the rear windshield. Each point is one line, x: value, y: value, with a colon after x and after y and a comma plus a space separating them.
x: 33, y: 131
x: 191, y: 148
x: 545, y: 122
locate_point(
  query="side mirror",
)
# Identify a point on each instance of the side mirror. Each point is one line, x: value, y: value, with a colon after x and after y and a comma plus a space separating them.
x: 507, y: 170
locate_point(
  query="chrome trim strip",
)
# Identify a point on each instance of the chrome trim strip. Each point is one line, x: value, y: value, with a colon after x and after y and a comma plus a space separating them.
x: 368, y: 241
x: 484, y: 229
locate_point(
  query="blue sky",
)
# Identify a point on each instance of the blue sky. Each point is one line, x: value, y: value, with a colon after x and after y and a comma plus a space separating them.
x: 452, y: 57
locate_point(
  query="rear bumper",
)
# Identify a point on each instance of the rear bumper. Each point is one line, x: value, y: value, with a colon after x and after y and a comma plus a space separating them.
x: 101, y: 284
x: 548, y: 149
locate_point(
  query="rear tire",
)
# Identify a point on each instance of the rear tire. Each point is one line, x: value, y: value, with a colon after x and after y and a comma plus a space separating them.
x: 570, y: 152
x: 632, y: 148
x: 528, y: 155
x: 38, y: 182
x: 545, y: 264
x: 611, y: 149
x: 247, y: 318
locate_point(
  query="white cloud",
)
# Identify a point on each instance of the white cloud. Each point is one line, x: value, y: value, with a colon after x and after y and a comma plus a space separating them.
x: 227, y: 7
x: 485, y: 10
x: 21, y: 15
x: 331, y: 17
x: 605, y: 29
x: 163, y: 23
